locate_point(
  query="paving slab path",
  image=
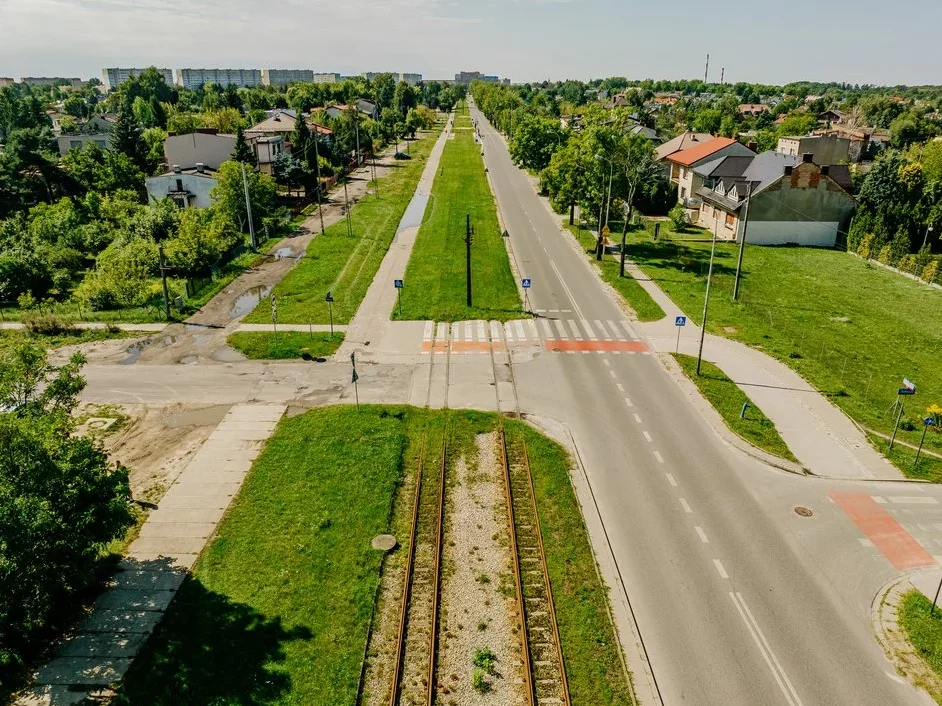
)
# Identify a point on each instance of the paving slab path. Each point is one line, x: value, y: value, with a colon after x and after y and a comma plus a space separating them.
x: 103, y: 645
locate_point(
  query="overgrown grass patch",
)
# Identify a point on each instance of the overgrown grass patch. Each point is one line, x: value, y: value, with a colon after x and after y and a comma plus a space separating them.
x: 638, y: 299
x: 853, y: 330
x: 435, y: 279
x: 924, y: 632
x: 728, y: 399
x: 266, y: 345
x: 345, y: 265
x: 12, y: 338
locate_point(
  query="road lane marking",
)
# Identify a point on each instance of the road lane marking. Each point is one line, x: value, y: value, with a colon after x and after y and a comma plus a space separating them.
x: 913, y: 500
x: 780, y: 676
x: 607, y: 362
x: 612, y: 373
x: 660, y: 459
x: 590, y: 334
x: 719, y: 569
x: 604, y: 330
x: 575, y: 329
x: 575, y: 304
x: 621, y: 388
x: 638, y: 418
x: 628, y: 402
x: 686, y: 506
x: 670, y: 479
x: 647, y: 437
x: 562, y: 329
x: 702, y: 535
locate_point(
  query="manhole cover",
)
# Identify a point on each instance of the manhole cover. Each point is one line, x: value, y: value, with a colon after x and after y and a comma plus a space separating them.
x: 803, y: 511
x: 384, y: 542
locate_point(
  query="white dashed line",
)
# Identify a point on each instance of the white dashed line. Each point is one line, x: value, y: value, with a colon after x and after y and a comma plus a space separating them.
x: 686, y: 506
x: 719, y: 569
x: 628, y: 402
x: 647, y: 437
x: 610, y: 372
x: 606, y: 362
x: 621, y: 388
x: 670, y: 479
x: 702, y: 535
x: 638, y: 418
x: 660, y: 459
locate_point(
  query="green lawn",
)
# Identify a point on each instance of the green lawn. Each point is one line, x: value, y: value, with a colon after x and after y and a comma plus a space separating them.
x: 637, y: 298
x: 435, y: 279
x: 728, y: 400
x: 279, y: 605
x: 924, y: 632
x: 265, y: 345
x: 344, y: 265
x: 851, y: 329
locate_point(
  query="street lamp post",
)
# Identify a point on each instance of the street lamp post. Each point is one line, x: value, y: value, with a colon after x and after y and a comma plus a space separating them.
x: 926, y: 237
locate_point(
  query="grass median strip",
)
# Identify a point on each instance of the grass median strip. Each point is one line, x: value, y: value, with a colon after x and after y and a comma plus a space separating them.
x: 924, y: 632
x: 435, y: 279
x: 638, y: 299
x: 728, y: 400
x: 345, y: 265
x: 265, y: 345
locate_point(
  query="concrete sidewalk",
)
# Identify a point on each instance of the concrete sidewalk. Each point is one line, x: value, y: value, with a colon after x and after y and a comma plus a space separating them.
x: 820, y: 435
x: 104, y: 644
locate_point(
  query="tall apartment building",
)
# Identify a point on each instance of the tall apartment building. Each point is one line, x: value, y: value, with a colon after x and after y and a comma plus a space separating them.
x: 282, y: 77
x: 469, y: 76
x: 115, y: 77
x: 6, y: 82
x: 411, y: 79
x: 326, y: 78
x: 242, y: 78
x: 51, y: 81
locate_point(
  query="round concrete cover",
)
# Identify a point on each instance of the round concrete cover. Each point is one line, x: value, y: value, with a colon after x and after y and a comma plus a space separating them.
x: 384, y: 542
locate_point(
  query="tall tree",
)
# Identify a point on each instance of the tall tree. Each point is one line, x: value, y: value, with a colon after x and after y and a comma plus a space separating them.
x: 126, y: 136
x: 243, y: 153
x: 301, y: 137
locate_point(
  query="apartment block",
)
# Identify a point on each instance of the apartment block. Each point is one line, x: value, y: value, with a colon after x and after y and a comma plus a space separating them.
x: 326, y: 78
x: 113, y: 78
x: 241, y: 78
x: 411, y: 79
x: 282, y: 77
x: 51, y: 81
x: 6, y: 82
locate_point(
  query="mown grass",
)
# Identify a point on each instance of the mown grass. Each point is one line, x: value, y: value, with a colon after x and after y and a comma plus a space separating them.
x: 851, y: 329
x: 285, y: 345
x: 343, y: 265
x: 928, y: 468
x: 728, y: 399
x: 280, y: 602
x: 435, y: 279
x: 635, y: 295
x: 924, y: 632
x: 594, y: 669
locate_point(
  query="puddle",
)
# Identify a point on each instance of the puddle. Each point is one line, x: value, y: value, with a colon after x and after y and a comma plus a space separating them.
x: 134, y: 352
x: 283, y: 252
x: 247, y: 301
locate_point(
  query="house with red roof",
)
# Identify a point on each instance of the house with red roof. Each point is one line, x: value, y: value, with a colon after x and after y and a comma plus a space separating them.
x: 684, y: 163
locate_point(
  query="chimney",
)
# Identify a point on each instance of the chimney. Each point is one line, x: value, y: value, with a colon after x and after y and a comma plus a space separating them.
x: 807, y: 157
x: 200, y: 167
x: 788, y: 171
x: 753, y: 145
x: 176, y: 169
x: 825, y: 169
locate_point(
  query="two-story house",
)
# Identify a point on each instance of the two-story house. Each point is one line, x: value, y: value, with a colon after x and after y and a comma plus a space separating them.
x: 683, y: 165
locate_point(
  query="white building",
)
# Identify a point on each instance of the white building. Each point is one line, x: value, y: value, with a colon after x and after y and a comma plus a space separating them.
x: 267, y: 150
x: 326, y: 78
x: 282, y: 77
x: 189, y: 188
x: 242, y: 78
x: 411, y: 79
x: 113, y: 78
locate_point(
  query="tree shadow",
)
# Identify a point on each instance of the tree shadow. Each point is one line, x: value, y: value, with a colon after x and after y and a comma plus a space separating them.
x: 211, y: 650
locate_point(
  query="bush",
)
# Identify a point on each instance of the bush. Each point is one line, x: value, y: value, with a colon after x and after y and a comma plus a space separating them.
x: 479, y: 681
x: 907, y: 264
x: 485, y: 659
x: 930, y: 271
x: 885, y: 255
x: 863, y: 248
x: 49, y: 325
x: 678, y: 218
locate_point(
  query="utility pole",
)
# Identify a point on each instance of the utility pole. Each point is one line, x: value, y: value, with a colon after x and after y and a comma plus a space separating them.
x: 742, y: 242
x: 163, y: 280
x: 468, y: 240
x: 248, y: 207
x: 706, y: 301
x: 317, y: 163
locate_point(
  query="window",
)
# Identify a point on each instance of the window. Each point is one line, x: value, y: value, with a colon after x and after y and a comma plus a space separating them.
x: 75, y: 144
x: 729, y: 220
x: 707, y: 209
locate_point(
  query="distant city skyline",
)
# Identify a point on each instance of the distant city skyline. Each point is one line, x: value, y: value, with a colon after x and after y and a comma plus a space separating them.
x: 525, y: 40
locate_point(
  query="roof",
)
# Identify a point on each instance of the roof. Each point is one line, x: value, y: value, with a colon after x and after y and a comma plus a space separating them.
x: 767, y: 167
x: 725, y: 167
x: 702, y: 151
x: 752, y: 108
x: 207, y: 173
x: 284, y: 111
x: 840, y: 173
x: 282, y: 123
x: 682, y: 142
x: 648, y: 132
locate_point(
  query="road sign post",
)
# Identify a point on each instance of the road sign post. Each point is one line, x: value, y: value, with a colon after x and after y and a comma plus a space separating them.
x: 356, y: 389
x: 274, y: 317
x: 926, y: 423
x: 899, y: 415
x: 706, y: 302
x: 330, y: 309
x: 525, y: 283
x: 467, y: 240
x: 679, y: 323
x: 398, y: 284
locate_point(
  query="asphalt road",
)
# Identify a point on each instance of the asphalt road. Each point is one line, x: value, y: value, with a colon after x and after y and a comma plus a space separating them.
x: 732, y: 604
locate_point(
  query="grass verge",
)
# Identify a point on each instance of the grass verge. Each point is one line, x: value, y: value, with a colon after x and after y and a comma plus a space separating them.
x: 904, y: 458
x: 279, y: 604
x: 638, y: 299
x: 435, y: 279
x: 345, y: 265
x: 853, y: 330
x: 728, y: 399
x: 924, y: 632
x: 11, y: 338
x: 590, y: 648
x: 264, y: 345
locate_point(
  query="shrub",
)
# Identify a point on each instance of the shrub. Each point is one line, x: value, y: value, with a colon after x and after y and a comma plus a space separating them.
x: 485, y: 659
x: 863, y: 249
x: 480, y: 682
x: 885, y: 255
x: 49, y: 325
x: 678, y: 218
x: 907, y: 264
x: 930, y: 271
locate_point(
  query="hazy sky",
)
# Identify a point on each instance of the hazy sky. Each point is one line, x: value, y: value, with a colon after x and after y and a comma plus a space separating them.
x: 860, y: 41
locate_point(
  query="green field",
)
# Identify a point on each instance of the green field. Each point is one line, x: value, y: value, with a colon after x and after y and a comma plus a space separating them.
x: 279, y: 605
x: 728, y: 400
x: 344, y: 265
x: 637, y: 298
x: 925, y: 633
x: 852, y: 329
x: 435, y: 279
x: 265, y: 345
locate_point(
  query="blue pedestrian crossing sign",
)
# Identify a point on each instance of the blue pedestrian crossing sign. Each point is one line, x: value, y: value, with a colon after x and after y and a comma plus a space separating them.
x: 398, y: 283
x: 526, y: 282
x: 680, y: 321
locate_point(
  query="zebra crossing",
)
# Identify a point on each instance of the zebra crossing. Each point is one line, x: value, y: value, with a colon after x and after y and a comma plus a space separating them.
x: 556, y: 335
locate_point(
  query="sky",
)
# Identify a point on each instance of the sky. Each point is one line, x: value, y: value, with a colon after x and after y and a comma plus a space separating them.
x: 766, y: 41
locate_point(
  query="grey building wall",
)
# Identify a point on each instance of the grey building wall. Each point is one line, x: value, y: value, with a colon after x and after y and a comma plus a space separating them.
x: 187, y: 150
x: 282, y: 77
x: 159, y: 187
x: 116, y: 76
x: 194, y: 78
x: 74, y: 142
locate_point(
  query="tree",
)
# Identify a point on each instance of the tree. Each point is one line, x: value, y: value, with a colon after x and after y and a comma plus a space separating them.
x: 384, y: 88
x: 534, y: 141
x: 301, y: 137
x: 640, y: 170
x: 243, y: 153
x: 201, y: 241
x: 404, y: 98
x: 61, y: 501
x: 126, y: 136
x: 229, y: 195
